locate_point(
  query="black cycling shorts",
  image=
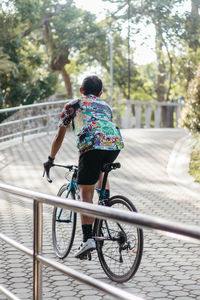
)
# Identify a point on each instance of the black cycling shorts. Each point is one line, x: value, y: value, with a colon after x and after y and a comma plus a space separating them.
x: 91, y: 163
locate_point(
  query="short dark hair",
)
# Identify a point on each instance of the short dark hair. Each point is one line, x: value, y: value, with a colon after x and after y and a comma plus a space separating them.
x: 91, y: 85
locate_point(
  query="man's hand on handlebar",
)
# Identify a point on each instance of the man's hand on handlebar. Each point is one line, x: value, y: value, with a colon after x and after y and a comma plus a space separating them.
x: 47, y: 166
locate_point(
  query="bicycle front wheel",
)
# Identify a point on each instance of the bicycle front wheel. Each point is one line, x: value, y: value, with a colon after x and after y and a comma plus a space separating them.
x: 63, y: 226
x: 119, y: 246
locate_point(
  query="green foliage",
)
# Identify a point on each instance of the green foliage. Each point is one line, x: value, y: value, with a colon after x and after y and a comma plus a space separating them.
x: 23, y: 76
x: 185, y: 65
x: 190, y: 116
x: 65, y: 31
x: 41, y: 38
x: 120, y: 61
x: 194, y: 166
x: 147, y: 90
x: 6, y: 65
x: 175, y: 64
x: 191, y: 34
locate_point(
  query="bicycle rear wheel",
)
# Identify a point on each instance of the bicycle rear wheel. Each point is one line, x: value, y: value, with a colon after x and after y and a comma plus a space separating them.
x: 63, y: 226
x: 119, y: 246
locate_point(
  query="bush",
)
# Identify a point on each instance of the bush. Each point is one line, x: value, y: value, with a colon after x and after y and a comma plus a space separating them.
x: 194, y: 166
x: 190, y: 115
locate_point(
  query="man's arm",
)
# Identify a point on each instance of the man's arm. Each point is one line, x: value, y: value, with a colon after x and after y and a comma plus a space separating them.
x: 57, y: 142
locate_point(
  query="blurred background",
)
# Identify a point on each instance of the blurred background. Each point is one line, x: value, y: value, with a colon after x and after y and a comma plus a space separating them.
x: 143, y: 50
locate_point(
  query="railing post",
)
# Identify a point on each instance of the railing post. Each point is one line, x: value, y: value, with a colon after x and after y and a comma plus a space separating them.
x: 22, y: 122
x: 157, y: 115
x: 126, y: 120
x: 148, y: 115
x: 37, y: 249
x: 138, y: 111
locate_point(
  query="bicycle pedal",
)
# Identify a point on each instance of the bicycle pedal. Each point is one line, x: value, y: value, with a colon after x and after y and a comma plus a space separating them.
x: 134, y: 251
x: 83, y: 257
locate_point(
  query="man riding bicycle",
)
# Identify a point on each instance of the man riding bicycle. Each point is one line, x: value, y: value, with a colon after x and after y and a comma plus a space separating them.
x: 99, y: 141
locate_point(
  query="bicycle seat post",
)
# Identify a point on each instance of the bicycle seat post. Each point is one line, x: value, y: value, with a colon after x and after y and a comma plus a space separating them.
x: 104, y: 180
x: 102, y: 196
x: 106, y: 169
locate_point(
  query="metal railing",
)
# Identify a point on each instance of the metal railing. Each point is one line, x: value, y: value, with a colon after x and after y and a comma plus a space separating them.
x: 136, y: 219
x: 46, y: 118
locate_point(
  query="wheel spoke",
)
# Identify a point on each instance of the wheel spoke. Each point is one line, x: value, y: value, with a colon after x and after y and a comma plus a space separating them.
x: 121, y: 258
x: 63, y: 227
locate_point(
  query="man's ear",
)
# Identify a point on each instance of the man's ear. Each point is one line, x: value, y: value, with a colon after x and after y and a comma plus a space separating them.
x: 81, y: 90
x: 100, y: 94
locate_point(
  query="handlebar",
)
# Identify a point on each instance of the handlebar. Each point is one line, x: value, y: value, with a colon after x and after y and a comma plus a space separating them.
x: 106, y: 168
x: 69, y: 167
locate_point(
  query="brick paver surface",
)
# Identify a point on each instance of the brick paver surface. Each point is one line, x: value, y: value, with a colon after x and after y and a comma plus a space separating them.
x: 169, y: 267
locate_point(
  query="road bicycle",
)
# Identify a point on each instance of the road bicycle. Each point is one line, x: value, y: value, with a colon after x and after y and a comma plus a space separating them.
x: 119, y: 246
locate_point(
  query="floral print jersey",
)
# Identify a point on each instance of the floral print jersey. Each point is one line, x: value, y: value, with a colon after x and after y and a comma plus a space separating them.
x: 92, y: 122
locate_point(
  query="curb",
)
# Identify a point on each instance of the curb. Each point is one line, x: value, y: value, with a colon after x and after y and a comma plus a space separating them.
x: 178, y: 167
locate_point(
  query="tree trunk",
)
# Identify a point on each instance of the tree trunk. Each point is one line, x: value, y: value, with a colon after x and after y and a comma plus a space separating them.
x: 195, y: 20
x: 161, y: 76
x: 195, y: 6
x: 170, y: 70
x: 161, y: 73
x: 67, y: 82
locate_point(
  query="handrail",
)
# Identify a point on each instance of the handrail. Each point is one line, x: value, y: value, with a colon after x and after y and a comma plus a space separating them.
x: 127, y: 120
x: 69, y: 271
x: 8, y: 294
x: 3, y: 110
x: 38, y: 258
x: 46, y: 115
x: 157, y: 103
x: 141, y: 220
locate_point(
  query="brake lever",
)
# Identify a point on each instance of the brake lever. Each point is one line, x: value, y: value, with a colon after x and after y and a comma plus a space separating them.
x: 47, y: 175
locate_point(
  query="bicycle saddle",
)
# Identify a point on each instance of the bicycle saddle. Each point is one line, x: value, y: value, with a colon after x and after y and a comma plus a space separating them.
x: 110, y: 166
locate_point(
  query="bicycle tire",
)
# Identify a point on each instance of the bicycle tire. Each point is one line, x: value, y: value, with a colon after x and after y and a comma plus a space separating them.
x: 119, y: 267
x: 63, y: 231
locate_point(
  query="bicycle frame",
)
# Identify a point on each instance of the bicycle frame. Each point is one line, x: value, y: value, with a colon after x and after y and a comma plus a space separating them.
x: 73, y: 186
x: 105, y: 233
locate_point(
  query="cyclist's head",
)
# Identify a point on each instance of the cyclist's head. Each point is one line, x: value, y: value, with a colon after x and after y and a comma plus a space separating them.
x: 91, y: 85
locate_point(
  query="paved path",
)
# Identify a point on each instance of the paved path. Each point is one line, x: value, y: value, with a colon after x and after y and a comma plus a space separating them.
x: 169, y: 268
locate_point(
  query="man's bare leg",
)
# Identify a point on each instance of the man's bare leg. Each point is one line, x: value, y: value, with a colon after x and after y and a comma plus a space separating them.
x: 86, y: 195
x: 100, y: 181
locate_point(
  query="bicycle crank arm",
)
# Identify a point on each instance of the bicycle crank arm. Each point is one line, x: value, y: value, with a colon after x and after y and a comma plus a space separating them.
x: 64, y: 221
x: 101, y: 238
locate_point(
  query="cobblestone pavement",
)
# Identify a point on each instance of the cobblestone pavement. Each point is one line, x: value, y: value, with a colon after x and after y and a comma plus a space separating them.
x: 169, y: 267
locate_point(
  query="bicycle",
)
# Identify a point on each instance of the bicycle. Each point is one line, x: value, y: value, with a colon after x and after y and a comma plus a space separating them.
x: 119, y: 246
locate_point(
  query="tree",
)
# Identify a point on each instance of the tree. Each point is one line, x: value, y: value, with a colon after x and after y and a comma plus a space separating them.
x: 6, y: 65
x: 167, y: 22
x: 171, y: 29
x: 30, y: 82
x: 190, y: 116
x: 66, y: 31
x: 190, y: 41
x: 102, y: 57
x: 192, y: 26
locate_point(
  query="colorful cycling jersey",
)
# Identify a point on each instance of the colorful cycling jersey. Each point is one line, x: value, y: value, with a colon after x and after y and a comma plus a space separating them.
x: 92, y: 122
